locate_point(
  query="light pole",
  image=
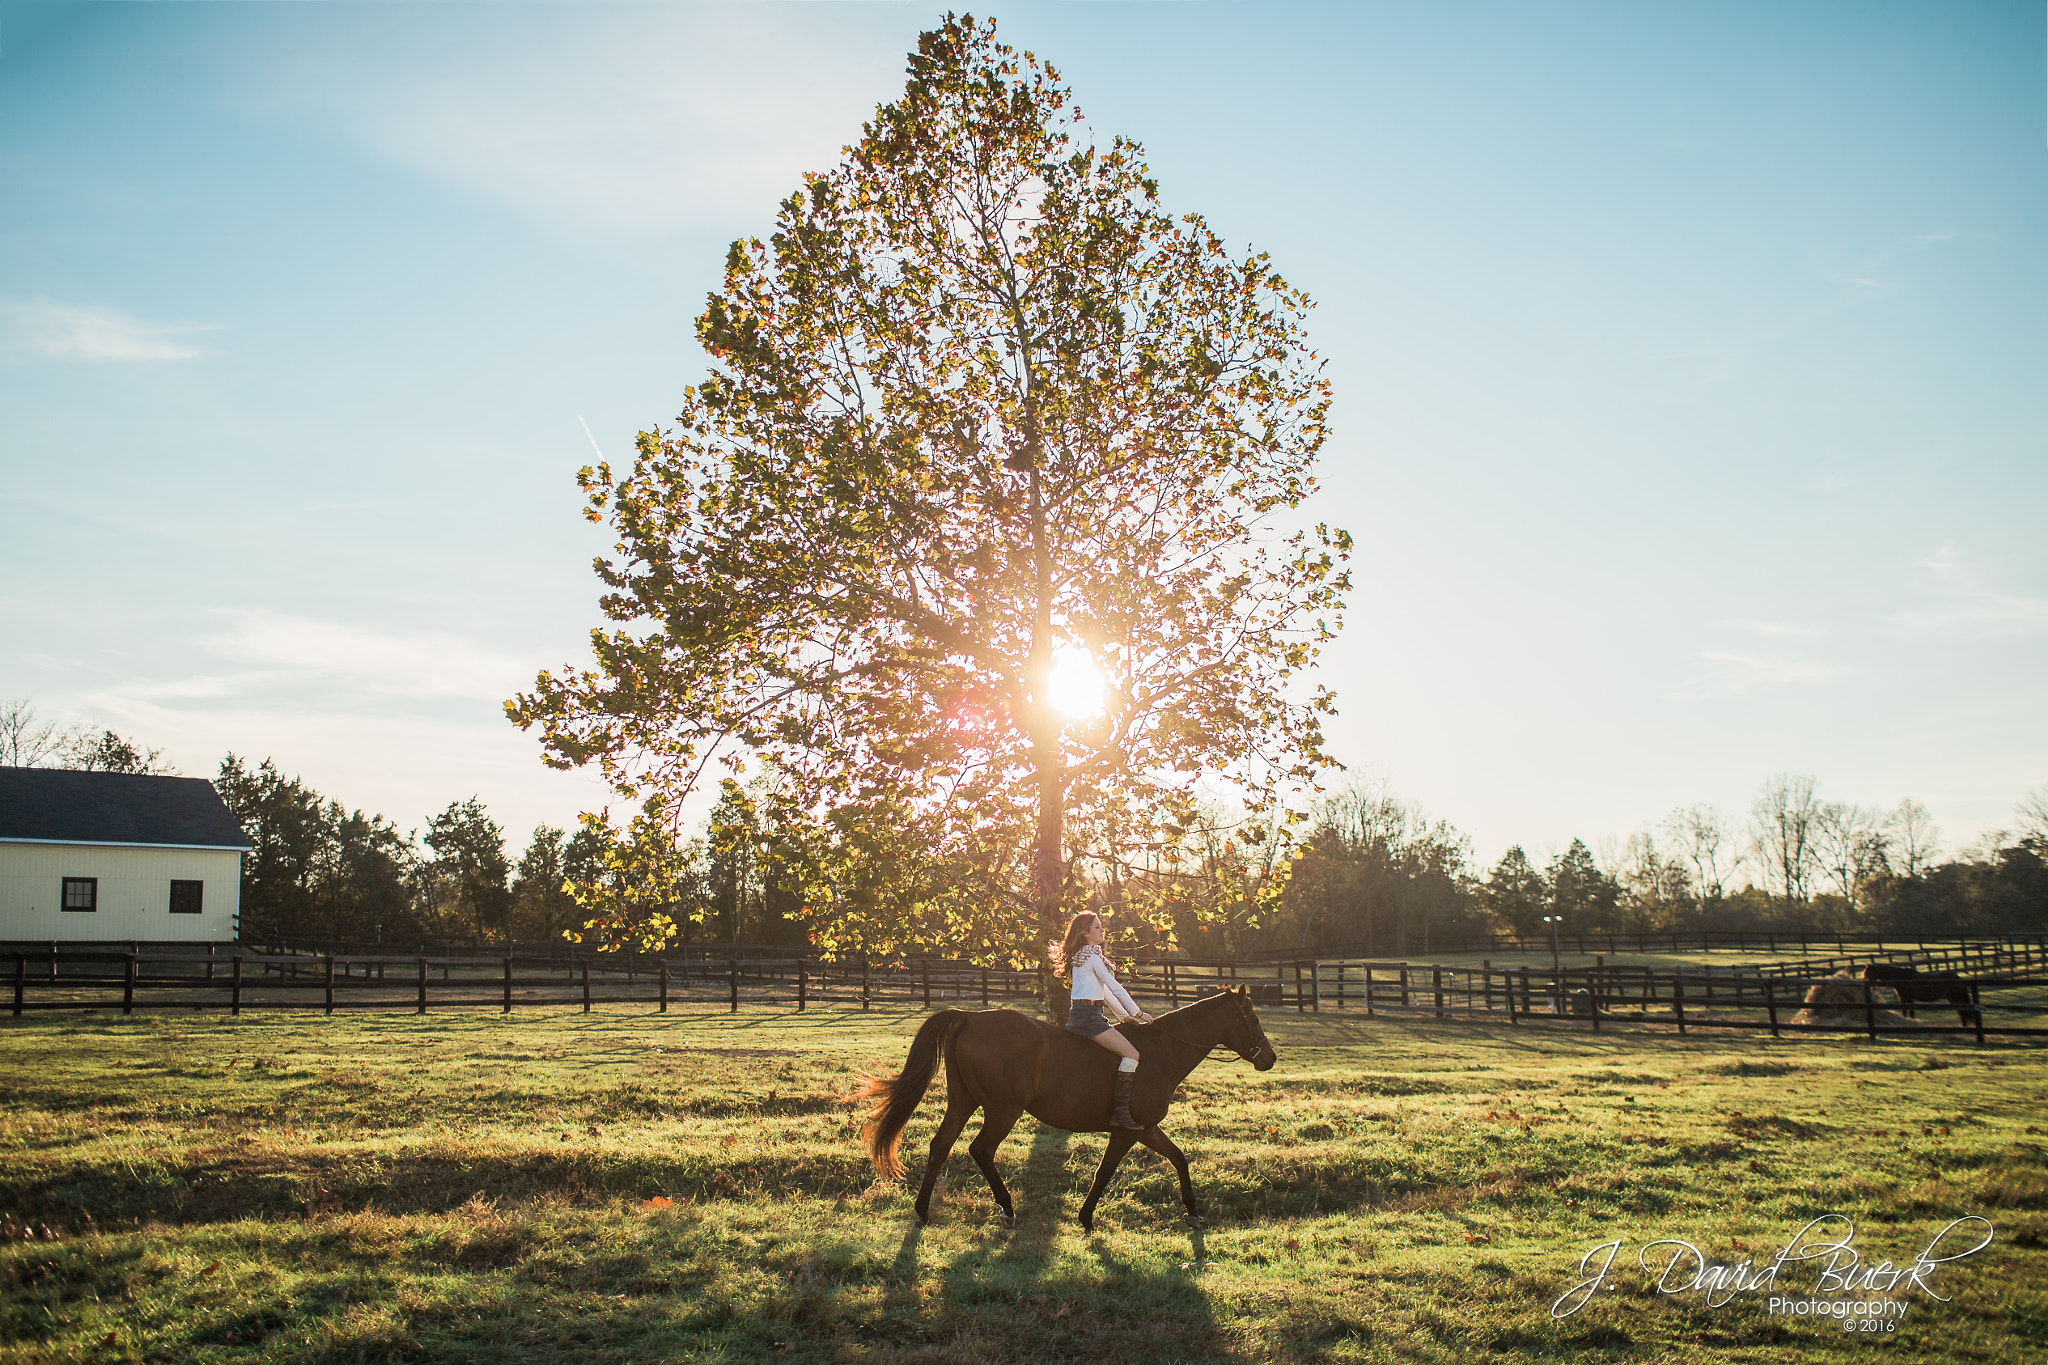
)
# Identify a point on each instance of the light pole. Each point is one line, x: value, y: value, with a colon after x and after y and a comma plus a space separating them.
x: 1556, y: 971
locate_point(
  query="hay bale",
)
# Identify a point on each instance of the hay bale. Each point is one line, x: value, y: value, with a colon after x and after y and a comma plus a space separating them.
x: 1837, y: 1002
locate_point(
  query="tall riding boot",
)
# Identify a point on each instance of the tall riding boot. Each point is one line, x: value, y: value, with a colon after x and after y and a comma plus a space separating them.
x: 1120, y: 1114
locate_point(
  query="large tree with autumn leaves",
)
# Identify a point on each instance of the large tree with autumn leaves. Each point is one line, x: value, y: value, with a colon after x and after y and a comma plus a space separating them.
x: 979, y: 533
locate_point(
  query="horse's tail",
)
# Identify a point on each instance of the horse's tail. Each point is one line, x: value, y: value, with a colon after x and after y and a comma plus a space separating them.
x: 896, y: 1097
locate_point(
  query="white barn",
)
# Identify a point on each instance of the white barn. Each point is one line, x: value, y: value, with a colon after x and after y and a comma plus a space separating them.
x: 95, y: 857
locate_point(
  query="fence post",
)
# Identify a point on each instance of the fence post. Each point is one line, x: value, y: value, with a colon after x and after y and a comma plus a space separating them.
x: 925, y: 970
x: 1486, y: 975
x: 1404, y: 985
x: 1507, y: 974
x: 422, y: 1007
x: 1593, y: 995
x: 984, y: 986
x: 1365, y: 968
x: 803, y: 984
x: 1869, y: 1011
x: 732, y: 976
x: 1436, y: 985
x: 327, y: 985
x: 1678, y: 1001
x: 505, y: 1004
x: 584, y: 965
x: 1771, y: 1002
x: 128, y: 985
x: 20, y: 980
x: 1315, y: 982
x: 209, y: 962
x: 235, y: 987
x: 664, y: 986
x: 867, y: 981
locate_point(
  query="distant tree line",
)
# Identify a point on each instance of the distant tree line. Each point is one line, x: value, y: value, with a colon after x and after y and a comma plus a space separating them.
x: 1363, y: 869
x: 1375, y: 873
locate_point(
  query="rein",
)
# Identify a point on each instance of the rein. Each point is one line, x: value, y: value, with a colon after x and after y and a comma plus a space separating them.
x: 1218, y: 1045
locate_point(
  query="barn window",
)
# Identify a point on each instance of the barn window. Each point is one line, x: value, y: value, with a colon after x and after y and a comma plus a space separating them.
x: 185, y: 897
x: 81, y: 893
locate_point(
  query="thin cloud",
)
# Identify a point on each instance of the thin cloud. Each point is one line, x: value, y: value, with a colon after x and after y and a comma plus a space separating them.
x: 1865, y: 274
x: 421, y: 664
x: 1783, y: 630
x: 608, y: 126
x: 49, y: 330
x: 1735, y: 674
x: 1970, y: 604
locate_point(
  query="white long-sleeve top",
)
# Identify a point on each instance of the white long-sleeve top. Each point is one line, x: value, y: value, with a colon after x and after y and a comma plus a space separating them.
x: 1095, y: 979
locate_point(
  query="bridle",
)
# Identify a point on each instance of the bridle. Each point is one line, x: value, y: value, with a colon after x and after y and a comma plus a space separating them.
x: 1243, y: 1007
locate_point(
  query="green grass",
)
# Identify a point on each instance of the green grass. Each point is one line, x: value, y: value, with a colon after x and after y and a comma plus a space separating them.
x: 473, y: 1188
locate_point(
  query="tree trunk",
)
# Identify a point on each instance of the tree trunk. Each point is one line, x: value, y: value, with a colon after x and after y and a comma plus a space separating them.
x: 1049, y: 866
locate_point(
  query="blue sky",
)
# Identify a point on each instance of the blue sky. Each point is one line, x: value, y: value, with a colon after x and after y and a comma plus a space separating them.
x: 1691, y: 368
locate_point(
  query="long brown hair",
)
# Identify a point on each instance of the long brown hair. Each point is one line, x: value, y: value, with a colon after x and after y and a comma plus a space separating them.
x: 1063, y: 952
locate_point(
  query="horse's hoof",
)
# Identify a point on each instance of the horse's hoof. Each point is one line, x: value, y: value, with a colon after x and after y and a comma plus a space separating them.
x: 1196, y: 1220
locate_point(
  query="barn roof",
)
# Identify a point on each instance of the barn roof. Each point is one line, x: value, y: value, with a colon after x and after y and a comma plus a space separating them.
x: 57, y: 806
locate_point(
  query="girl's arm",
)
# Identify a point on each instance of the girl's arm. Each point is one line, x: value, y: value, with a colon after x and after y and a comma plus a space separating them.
x: 1115, y: 991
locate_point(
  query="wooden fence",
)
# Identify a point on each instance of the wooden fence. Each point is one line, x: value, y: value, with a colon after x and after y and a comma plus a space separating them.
x: 2008, y: 984
x: 1768, y: 942
x: 83, y: 978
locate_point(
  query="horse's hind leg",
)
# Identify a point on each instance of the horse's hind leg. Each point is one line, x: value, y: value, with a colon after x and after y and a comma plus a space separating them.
x: 1120, y: 1140
x: 958, y: 1111
x: 1164, y: 1145
x: 983, y: 1149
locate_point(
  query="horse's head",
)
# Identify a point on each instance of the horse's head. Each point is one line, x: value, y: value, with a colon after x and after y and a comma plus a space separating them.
x: 1242, y: 1033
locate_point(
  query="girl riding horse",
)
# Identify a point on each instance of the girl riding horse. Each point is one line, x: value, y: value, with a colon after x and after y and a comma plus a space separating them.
x: 1093, y: 984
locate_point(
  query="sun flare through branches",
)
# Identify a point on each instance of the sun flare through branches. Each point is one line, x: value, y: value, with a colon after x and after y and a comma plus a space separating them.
x: 1074, y: 686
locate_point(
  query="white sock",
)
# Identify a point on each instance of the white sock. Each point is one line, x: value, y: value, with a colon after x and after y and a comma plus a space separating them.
x: 1127, y: 1064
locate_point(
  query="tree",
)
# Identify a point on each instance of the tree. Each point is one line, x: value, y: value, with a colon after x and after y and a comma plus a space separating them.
x: 1703, y: 837
x: 107, y: 752
x: 26, y: 739
x: 1515, y: 893
x: 467, y: 876
x: 971, y: 528
x: 1914, y: 839
x: 1586, y: 897
x: 1783, y: 832
x: 1851, y: 846
x: 542, y: 904
x: 2033, y: 813
x: 1656, y: 888
x: 316, y: 868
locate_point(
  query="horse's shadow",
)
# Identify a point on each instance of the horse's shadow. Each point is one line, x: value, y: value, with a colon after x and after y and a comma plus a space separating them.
x: 1117, y: 1308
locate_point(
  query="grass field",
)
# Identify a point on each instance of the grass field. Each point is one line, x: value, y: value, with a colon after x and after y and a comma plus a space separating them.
x: 624, y: 1186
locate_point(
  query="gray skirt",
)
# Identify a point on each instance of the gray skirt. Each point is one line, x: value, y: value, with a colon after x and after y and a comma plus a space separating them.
x: 1085, y: 1018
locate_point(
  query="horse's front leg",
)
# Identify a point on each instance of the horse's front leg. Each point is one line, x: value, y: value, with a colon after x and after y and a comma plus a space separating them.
x: 1120, y: 1140
x: 1162, y: 1144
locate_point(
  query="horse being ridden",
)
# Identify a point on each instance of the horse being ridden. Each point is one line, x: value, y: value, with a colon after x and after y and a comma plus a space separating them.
x: 1007, y: 1064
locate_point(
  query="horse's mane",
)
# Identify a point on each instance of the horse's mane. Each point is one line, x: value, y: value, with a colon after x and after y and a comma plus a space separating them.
x: 1206, y: 1002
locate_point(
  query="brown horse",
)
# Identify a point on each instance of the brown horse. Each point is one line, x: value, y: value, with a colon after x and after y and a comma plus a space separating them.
x: 1006, y: 1063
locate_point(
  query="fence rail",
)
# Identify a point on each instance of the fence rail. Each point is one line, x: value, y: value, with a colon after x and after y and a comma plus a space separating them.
x: 1769, y: 942
x: 88, y: 979
x: 2008, y: 984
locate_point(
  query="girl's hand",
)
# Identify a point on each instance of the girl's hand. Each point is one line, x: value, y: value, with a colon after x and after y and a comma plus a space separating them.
x: 1144, y: 1018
